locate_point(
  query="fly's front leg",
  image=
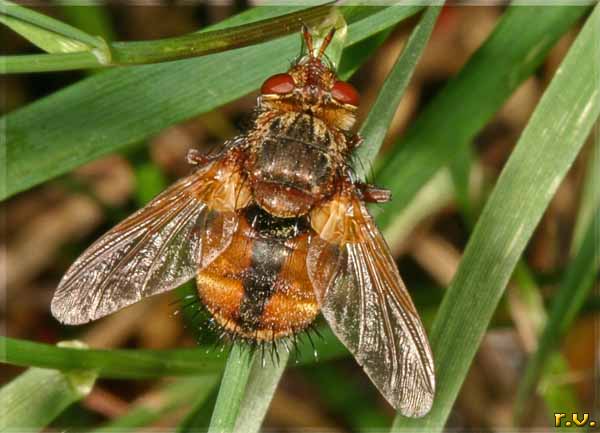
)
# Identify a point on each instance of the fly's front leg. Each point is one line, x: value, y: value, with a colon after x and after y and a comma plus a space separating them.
x: 195, y: 157
x: 235, y: 147
x: 354, y: 141
x: 372, y: 194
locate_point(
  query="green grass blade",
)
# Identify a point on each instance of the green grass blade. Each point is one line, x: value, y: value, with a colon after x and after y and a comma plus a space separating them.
x: 34, y: 20
x: 94, y: 19
x: 111, y: 363
x: 119, y: 107
x: 590, y: 196
x: 202, y: 43
x: 470, y: 99
x: 557, y: 392
x: 264, y: 378
x: 235, y: 378
x: 380, y: 116
x: 140, y: 363
x: 369, y: 20
x: 460, y: 170
x: 34, y: 398
x: 528, y: 298
x: 569, y: 299
x: 154, y: 51
x: 47, y: 62
x: 542, y: 156
x: 168, y: 399
x: 46, y: 40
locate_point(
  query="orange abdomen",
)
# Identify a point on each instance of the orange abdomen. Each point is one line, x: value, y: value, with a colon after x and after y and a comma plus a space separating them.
x: 258, y: 288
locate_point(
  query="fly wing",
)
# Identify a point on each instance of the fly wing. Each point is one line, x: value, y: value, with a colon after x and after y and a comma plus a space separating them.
x: 364, y: 300
x: 154, y: 250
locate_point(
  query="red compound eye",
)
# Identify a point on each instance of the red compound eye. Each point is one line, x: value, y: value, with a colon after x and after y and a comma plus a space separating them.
x: 345, y: 93
x: 279, y: 84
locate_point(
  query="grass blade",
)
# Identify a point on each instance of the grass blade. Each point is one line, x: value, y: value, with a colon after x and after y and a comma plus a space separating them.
x: 145, y: 52
x: 469, y: 100
x: 590, y: 197
x: 34, y: 398
x: 206, y: 42
x: 529, y: 316
x: 34, y: 20
x: 234, y: 379
x: 163, y: 401
x: 380, y: 116
x: 136, y: 363
x: 264, y: 378
x: 545, y: 151
x: 110, y: 363
x: 92, y: 19
x: 120, y: 107
x: 46, y: 40
x: 569, y: 299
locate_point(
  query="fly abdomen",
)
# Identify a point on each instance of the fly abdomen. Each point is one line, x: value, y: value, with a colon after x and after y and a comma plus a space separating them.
x: 258, y: 288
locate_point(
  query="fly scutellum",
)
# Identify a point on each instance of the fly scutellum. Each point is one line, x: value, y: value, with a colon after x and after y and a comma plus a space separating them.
x: 275, y: 230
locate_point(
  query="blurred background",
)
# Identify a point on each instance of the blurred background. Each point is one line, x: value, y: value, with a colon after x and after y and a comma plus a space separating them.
x: 47, y: 227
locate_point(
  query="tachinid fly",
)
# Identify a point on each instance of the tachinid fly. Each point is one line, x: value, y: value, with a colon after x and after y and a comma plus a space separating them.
x: 275, y: 230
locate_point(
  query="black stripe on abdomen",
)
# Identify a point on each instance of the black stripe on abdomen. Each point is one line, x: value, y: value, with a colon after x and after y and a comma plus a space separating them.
x: 268, y: 256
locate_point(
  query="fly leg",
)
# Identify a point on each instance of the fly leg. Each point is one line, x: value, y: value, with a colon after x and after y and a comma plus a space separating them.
x: 195, y: 157
x: 372, y: 194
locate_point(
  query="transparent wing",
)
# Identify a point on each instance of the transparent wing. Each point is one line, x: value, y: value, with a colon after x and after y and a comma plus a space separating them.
x: 367, y: 306
x: 154, y: 250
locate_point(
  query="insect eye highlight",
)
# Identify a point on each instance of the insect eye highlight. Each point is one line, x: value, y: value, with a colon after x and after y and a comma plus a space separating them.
x: 278, y: 84
x: 345, y: 93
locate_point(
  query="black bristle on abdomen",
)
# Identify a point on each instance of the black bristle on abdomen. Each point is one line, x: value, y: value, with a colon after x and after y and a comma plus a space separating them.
x: 216, y: 338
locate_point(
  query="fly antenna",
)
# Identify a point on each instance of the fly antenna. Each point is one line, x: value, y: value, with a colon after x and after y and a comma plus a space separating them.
x: 307, y: 39
x: 326, y: 43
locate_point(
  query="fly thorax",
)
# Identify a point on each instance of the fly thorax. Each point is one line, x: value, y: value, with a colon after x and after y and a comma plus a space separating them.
x: 292, y: 164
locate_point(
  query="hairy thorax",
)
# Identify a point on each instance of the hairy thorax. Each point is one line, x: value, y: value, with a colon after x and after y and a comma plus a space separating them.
x: 295, y: 160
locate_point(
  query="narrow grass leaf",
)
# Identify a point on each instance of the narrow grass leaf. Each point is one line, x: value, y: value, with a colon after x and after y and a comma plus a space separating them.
x: 110, y: 363
x: 590, y: 196
x: 470, y: 99
x: 529, y: 316
x: 460, y: 170
x: 167, y: 399
x: 380, y: 116
x: 109, y: 111
x: 46, y: 40
x: 31, y: 20
x: 141, y: 363
x: 33, y: 399
x: 435, y: 195
x: 198, y: 417
x: 370, y: 20
x: 354, y: 56
x: 543, y: 154
x: 231, y: 391
x: 557, y: 392
x: 264, y: 377
x: 206, y: 42
x: 153, y: 51
x: 94, y: 19
x: 578, y: 281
